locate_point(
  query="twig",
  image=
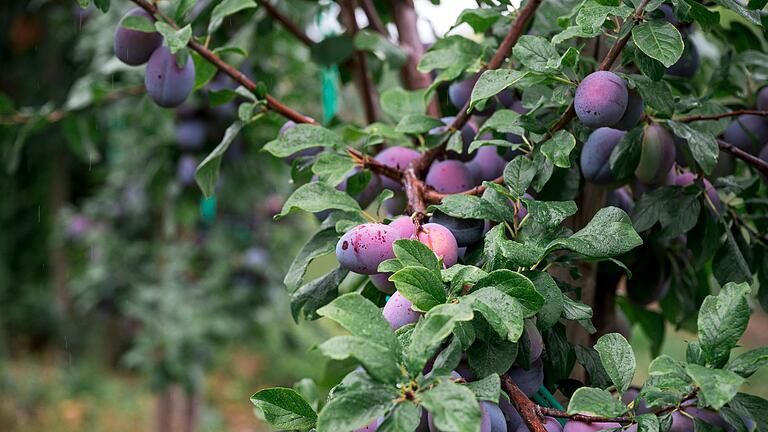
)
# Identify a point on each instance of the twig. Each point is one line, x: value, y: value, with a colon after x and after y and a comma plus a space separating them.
x: 756, y: 162
x: 693, y: 118
x: 360, y: 65
x: 364, y: 161
x: 606, y: 64
x: 530, y: 412
x: 584, y: 418
x: 272, y: 103
x: 287, y: 23
x: 61, y: 114
x: 373, y: 17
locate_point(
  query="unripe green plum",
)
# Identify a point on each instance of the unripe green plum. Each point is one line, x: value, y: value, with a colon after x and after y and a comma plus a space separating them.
x: 168, y: 84
x: 595, y: 155
x: 748, y: 132
x: 441, y: 241
x: 135, y: 47
x: 365, y: 246
x: 449, y: 176
x: 657, y: 155
x: 601, y: 99
x: 398, y: 311
x: 397, y: 157
x: 466, y: 231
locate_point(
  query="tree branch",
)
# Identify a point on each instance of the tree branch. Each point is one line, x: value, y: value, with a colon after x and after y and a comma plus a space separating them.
x: 373, y: 17
x: 287, y: 23
x: 756, y: 162
x: 530, y: 412
x: 693, y: 118
x: 366, y: 89
x: 272, y: 103
x: 364, y: 161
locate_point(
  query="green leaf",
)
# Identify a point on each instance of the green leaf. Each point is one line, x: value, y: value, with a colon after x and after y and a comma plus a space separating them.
x: 430, y: 332
x: 138, y: 23
x: 204, y: 70
x: 518, y: 175
x: 550, y: 312
x: 659, y: 40
x: 405, y: 416
x: 514, y: 285
x: 176, y: 40
x: 453, y: 407
x: 315, y: 197
x: 716, y: 386
x: 618, y: 359
x: 283, y: 408
x: 656, y: 94
x: 494, y: 357
x: 332, y: 168
x: 301, y: 137
x: 647, y: 422
x: 225, y: 9
x: 323, y: 242
x: 316, y: 293
x: 626, y: 155
x: 480, y: 19
x: 535, y: 52
x: 398, y: 103
x: 703, y: 145
x: 722, y: 320
x: 333, y: 50
x: 558, y: 148
x: 749, y: 362
x: 360, y: 317
x: 353, y: 408
x: 590, y: 359
x: 488, y: 388
x: 668, y: 375
x: 379, y: 361
x: 462, y: 206
x: 417, y: 124
x: 750, y: 15
x: 589, y: 400
x: 423, y: 287
x: 503, y: 313
x: 753, y: 407
x: 550, y: 213
x: 207, y: 173
x: 608, y: 234
x: 492, y: 82
x: 381, y: 46
x: 415, y: 253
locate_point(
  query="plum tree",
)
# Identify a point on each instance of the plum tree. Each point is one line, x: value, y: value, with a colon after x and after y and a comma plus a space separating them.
x: 191, y: 134
x: 630, y: 396
x: 601, y: 99
x: 522, y: 212
x: 578, y: 426
x: 441, y: 241
x: 487, y: 164
x: 748, y: 132
x: 633, y: 113
x: 185, y: 170
x: 365, y: 246
x: 466, y: 231
x: 398, y: 311
x: 134, y: 47
x: 534, y: 336
x: 449, y: 176
x: 405, y: 226
x: 688, y: 63
x: 307, y: 152
x: 397, y: 157
x: 657, y: 155
x: 468, y: 132
x: 669, y: 15
x: 529, y: 380
x: 687, y: 178
x: 167, y: 83
x: 596, y: 153
x: 460, y: 91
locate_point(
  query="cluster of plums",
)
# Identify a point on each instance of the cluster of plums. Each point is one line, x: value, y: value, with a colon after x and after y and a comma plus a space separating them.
x: 168, y: 81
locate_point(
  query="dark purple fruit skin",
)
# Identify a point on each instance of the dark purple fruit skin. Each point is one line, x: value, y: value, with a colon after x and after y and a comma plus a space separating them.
x: 650, y: 283
x: 657, y: 155
x: 382, y: 283
x: 620, y: 198
x: 595, y: 154
x: 460, y: 92
x: 290, y: 124
x: 396, y: 157
x: 630, y: 395
x: 167, y: 84
x: 191, y: 134
x: 764, y: 156
x: 185, y: 171
x: 550, y: 424
x: 523, y: 212
x: 466, y: 231
x: 441, y: 241
x: 748, y: 132
x: 487, y: 165
x: 514, y: 420
x: 762, y: 99
x: 537, y: 343
x: 449, y: 176
x: 601, y: 99
x: 468, y: 132
x: 397, y: 204
x: 365, y: 246
x: 398, y: 311
x: 134, y: 47
x: 530, y: 380
x: 496, y: 420
x: 576, y: 426
x: 633, y: 113
x: 687, y: 178
x: 688, y: 63
x: 669, y: 16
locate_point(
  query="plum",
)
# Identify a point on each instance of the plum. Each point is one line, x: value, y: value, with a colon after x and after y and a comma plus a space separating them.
x: 492, y: 419
x: 135, y: 47
x: 405, y: 226
x: 307, y: 152
x: 468, y: 132
x: 537, y: 343
x: 397, y: 157
x: 669, y: 16
x: 459, y: 93
x: 657, y: 155
x: 595, y: 155
x: 398, y: 311
x: 466, y: 231
x: 620, y: 198
x: 577, y: 426
x: 550, y: 424
x: 449, y: 176
x: 514, y: 420
x: 185, y: 170
x: 650, y: 283
x: 191, y: 134
x: 530, y: 380
x: 441, y: 241
x: 762, y: 99
x: 764, y: 156
x: 365, y: 197
x: 630, y: 395
x: 522, y: 212
x: 601, y: 99
x: 382, y: 283
x: 365, y: 246
x: 168, y: 84
x: 397, y: 204
x: 487, y: 165
x: 688, y: 63
x: 686, y: 178
x: 633, y: 113
x: 748, y: 132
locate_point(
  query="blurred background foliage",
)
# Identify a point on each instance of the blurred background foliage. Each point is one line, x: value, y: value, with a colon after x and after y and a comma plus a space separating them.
x: 118, y: 281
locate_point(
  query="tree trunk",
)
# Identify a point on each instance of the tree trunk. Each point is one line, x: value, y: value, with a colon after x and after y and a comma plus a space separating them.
x: 176, y: 410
